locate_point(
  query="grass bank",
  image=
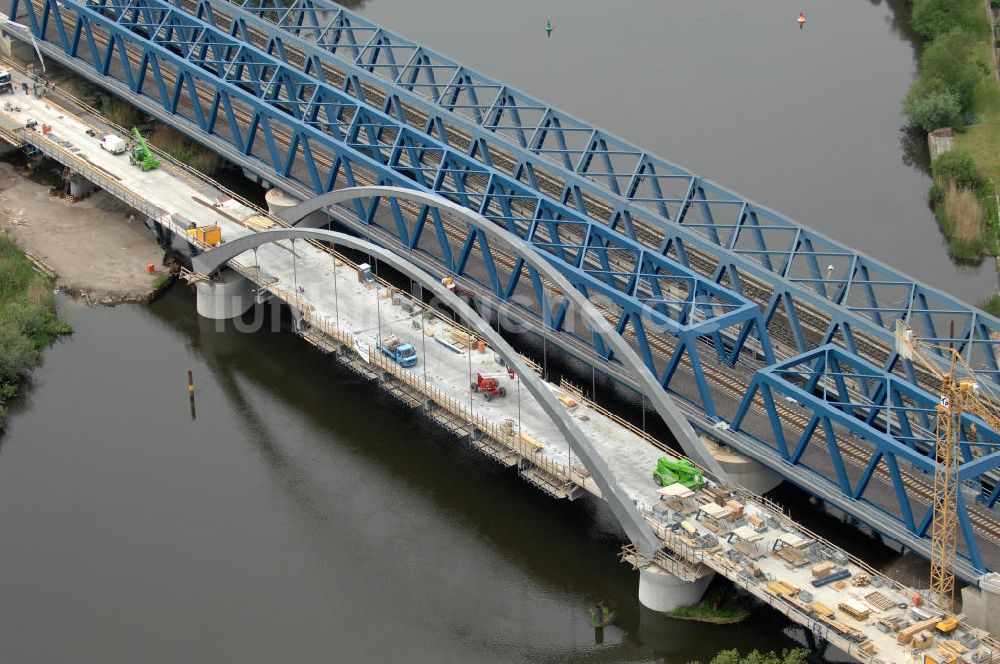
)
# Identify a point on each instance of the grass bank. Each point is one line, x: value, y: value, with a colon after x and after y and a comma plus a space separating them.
x: 956, y: 87
x: 965, y: 206
x: 719, y: 605
x: 991, y: 305
x: 28, y: 321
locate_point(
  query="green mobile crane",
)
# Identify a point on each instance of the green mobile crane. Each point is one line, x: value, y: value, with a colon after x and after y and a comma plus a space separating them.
x: 683, y: 470
x: 142, y: 157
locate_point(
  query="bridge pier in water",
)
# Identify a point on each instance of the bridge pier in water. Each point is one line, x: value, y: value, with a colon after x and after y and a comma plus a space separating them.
x: 659, y: 590
x: 228, y: 295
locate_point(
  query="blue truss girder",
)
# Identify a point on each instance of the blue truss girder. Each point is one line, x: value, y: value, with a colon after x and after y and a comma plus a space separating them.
x: 336, y: 140
x: 636, y: 186
x: 843, y: 392
x: 361, y: 147
x: 308, y: 58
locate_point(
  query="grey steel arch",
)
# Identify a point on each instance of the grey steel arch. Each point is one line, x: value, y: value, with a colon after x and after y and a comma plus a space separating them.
x: 624, y: 509
x: 664, y: 405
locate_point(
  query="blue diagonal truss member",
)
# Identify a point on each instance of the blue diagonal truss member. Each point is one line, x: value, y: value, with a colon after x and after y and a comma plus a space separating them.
x: 891, y: 417
x: 310, y: 132
x: 629, y: 188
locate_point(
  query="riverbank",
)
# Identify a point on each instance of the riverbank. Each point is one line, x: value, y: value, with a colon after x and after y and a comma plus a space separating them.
x: 97, y: 254
x: 957, y: 87
x: 28, y: 320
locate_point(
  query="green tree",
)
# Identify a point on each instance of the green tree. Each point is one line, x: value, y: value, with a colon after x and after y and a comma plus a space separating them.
x: 794, y: 656
x: 931, y: 18
x: 949, y: 60
x: 932, y: 109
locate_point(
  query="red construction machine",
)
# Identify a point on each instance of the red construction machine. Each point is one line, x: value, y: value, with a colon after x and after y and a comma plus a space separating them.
x: 489, y: 385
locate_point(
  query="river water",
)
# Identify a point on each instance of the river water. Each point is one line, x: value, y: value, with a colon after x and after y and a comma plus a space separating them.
x: 303, y: 516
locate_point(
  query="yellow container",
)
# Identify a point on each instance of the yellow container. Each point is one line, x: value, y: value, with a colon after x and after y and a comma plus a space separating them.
x: 210, y: 235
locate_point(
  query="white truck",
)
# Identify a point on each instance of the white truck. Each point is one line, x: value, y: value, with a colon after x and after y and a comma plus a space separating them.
x: 6, y: 84
x: 114, y: 144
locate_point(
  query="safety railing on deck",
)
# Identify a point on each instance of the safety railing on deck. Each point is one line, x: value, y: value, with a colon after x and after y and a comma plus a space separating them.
x: 11, y: 136
x: 578, y: 394
x: 508, y: 437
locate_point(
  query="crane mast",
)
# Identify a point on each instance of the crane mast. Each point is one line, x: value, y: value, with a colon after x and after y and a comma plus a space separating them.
x: 960, y: 393
x: 944, y: 526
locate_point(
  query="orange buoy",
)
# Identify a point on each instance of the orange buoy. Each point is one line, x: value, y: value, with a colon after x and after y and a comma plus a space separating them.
x: 150, y: 268
x: 802, y: 19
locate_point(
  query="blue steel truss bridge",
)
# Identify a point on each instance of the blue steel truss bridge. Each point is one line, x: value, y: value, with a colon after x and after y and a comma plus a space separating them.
x: 774, y: 339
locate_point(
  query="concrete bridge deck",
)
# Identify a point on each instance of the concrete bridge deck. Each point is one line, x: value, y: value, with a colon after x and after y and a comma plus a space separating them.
x: 344, y: 312
x: 881, y: 504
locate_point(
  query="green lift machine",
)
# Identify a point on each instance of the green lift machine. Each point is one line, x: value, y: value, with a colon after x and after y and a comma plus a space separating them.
x: 683, y: 470
x: 142, y: 157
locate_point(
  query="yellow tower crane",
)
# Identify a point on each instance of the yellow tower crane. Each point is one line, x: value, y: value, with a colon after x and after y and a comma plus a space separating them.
x: 961, y: 392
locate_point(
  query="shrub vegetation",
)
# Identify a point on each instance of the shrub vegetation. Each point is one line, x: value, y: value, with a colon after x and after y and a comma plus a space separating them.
x: 948, y: 75
x: 183, y: 150
x: 28, y: 321
x: 964, y: 206
x: 794, y: 656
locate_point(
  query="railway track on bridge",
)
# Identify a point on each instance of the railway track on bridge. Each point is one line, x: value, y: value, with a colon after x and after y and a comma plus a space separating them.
x: 758, y: 291
x: 556, y: 189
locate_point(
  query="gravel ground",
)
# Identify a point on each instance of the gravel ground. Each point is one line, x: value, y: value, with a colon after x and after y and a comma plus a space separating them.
x: 97, y: 254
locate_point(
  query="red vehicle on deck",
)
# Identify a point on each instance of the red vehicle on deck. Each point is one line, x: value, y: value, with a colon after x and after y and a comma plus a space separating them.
x: 489, y: 385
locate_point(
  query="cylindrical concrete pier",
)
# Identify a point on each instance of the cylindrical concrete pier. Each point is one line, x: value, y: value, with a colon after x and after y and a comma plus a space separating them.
x: 743, y: 470
x: 660, y: 590
x: 227, y: 296
x: 278, y: 201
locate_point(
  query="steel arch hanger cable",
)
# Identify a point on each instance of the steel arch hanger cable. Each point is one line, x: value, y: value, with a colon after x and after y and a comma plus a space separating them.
x: 661, y: 401
x: 621, y: 505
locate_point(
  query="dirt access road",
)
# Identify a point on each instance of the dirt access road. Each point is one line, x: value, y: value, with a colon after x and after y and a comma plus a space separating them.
x: 97, y: 254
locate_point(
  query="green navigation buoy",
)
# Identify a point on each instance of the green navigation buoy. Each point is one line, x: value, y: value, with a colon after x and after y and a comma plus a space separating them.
x: 548, y: 28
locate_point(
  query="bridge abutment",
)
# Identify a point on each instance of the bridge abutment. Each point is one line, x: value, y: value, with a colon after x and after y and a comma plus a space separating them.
x: 659, y: 590
x: 15, y: 48
x: 227, y: 296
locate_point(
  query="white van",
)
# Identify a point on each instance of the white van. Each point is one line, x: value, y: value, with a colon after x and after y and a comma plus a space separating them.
x: 114, y: 144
